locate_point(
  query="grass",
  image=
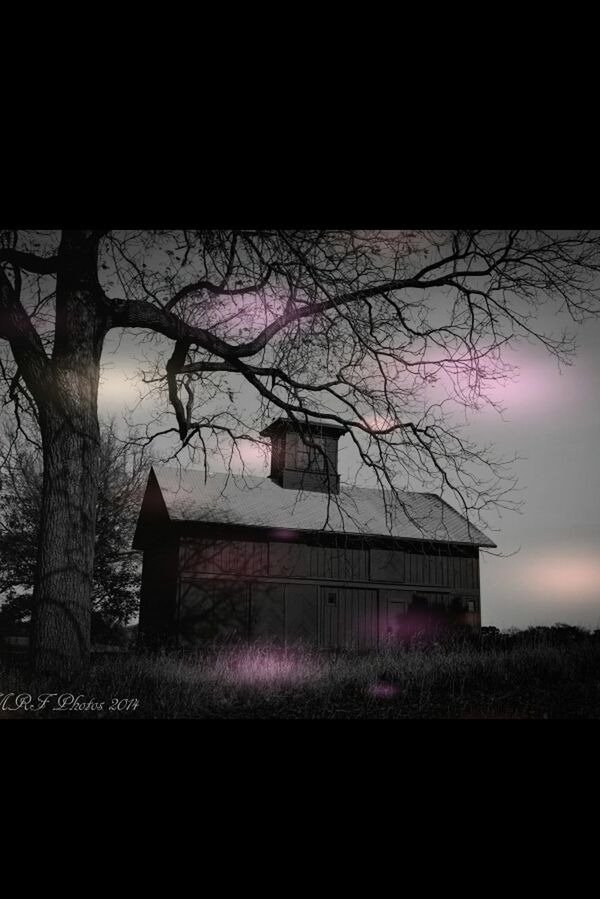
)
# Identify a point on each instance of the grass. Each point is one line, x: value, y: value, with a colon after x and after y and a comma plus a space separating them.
x: 531, y: 675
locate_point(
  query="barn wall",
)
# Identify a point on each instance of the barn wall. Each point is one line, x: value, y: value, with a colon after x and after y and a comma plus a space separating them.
x: 242, y: 558
x: 301, y: 560
x: 456, y: 572
x: 253, y: 558
x: 222, y: 609
x: 158, y: 597
x: 404, y: 613
x: 212, y: 610
x: 153, y: 522
x: 292, y: 591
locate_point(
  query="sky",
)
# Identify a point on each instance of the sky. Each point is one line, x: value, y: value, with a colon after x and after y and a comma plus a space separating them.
x: 553, y: 421
x: 547, y: 565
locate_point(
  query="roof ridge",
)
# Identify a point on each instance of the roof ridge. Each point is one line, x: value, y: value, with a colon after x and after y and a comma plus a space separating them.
x: 229, y: 474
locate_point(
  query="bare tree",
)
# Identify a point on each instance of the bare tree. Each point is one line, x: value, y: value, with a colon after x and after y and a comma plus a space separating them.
x: 354, y: 326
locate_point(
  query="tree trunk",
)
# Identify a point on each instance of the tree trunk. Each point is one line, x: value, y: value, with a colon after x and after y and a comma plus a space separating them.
x: 62, y: 607
x: 61, y: 621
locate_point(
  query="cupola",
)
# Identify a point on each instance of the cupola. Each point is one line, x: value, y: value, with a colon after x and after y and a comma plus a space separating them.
x: 304, y: 455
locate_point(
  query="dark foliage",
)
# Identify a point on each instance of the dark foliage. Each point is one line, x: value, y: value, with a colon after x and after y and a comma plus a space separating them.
x: 116, y: 567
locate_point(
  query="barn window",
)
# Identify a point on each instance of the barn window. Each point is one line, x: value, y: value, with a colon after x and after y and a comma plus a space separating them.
x: 309, y: 458
x: 332, y: 599
x: 471, y: 606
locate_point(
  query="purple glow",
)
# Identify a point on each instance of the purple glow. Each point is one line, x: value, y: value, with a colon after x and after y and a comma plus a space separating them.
x: 267, y: 668
x: 284, y: 534
x: 383, y: 691
x: 536, y: 389
x: 231, y: 315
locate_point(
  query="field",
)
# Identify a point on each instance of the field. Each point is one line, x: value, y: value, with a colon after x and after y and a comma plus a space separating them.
x: 540, y: 673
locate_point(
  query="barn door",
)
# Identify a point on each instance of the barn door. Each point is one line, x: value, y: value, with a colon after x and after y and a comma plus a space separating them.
x: 330, y: 599
x: 301, y: 613
x: 394, y: 611
x: 267, y: 611
x: 397, y: 609
x: 348, y: 617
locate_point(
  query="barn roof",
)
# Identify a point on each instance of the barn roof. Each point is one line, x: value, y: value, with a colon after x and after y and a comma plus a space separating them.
x: 259, y: 502
x: 315, y: 421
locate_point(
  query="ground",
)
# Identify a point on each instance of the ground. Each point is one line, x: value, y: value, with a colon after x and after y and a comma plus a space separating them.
x: 530, y: 675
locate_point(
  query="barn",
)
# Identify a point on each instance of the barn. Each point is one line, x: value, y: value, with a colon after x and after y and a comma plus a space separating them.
x: 298, y: 556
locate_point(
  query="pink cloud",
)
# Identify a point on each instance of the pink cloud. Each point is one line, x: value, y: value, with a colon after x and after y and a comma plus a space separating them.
x: 252, y: 457
x: 561, y: 575
x: 537, y: 388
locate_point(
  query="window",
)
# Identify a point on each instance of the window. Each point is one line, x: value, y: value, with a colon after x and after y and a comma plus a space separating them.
x: 309, y: 458
x: 471, y: 606
x: 332, y: 599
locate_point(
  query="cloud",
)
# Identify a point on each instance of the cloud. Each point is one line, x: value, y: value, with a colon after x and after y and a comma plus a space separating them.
x: 119, y: 387
x: 251, y: 457
x: 557, y: 575
x: 542, y: 587
x: 564, y: 575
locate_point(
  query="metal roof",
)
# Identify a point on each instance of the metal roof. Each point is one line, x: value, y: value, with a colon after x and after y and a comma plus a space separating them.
x: 259, y: 502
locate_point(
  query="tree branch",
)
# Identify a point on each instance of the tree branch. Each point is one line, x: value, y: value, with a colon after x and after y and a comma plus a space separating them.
x: 215, y: 289
x: 25, y: 342
x: 141, y: 314
x: 29, y: 262
x: 173, y: 366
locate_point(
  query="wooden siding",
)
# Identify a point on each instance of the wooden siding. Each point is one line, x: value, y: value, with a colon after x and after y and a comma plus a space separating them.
x: 255, y: 558
x: 406, y: 613
x: 211, y: 610
x: 300, y: 456
x: 242, y: 558
x: 454, y: 572
x: 301, y: 560
x: 267, y: 614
